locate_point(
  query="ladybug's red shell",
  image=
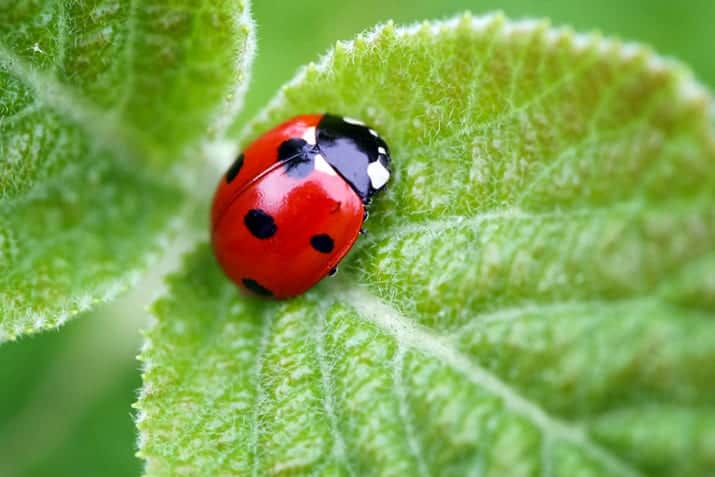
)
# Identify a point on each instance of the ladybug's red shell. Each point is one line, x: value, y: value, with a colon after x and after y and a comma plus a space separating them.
x: 292, y: 205
x: 257, y: 158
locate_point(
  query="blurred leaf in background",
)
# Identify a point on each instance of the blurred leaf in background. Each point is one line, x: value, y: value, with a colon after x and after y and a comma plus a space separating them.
x: 68, y: 409
x: 65, y: 399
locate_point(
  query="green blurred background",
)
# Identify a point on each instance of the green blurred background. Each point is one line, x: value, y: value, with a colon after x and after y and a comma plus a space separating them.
x: 65, y: 397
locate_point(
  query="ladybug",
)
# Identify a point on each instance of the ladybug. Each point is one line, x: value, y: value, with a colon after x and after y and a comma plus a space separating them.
x: 293, y: 203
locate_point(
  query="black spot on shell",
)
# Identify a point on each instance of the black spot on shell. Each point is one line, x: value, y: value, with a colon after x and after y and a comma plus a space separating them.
x: 260, y: 224
x: 235, y: 168
x: 256, y: 287
x: 291, y: 148
x: 323, y: 243
x: 298, y: 156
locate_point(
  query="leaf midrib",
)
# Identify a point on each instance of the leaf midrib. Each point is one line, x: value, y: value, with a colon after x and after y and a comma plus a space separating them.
x: 101, y: 126
x: 408, y: 334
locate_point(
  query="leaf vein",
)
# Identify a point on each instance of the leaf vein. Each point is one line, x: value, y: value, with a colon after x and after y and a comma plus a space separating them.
x: 58, y: 97
x: 61, y: 35
x: 339, y: 446
x: 441, y: 223
x: 129, y: 53
x: 546, y: 456
x: 406, y: 333
x: 257, y: 373
x: 400, y: 391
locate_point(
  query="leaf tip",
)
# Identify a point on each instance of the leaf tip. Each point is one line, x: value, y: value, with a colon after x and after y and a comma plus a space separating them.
x: 466, y: 18
x: 497, y: 19
x: 311, y: 71
x: 340, y: 51
x: 389, y: 26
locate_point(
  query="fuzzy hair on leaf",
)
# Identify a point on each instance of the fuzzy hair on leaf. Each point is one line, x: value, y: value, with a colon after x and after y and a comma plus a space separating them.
x: 535, y: 295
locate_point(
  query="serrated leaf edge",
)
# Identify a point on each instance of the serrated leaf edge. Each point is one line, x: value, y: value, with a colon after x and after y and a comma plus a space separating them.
x: 179, y: 228
x: 245, y: 52
x: 689, y: 90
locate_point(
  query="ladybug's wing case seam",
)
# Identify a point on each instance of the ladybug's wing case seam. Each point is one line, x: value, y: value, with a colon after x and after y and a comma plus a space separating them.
x: 235, y: 194
x: 260, y: 155
x: 314, y: 222
x: 281, y: 221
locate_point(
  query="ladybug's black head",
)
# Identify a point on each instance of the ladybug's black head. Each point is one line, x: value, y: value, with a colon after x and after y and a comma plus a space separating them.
x: 356, y: 152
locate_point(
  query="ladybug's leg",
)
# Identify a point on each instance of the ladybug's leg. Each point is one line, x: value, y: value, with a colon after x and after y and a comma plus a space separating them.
x: 333, y: 271
x: 364, y: 218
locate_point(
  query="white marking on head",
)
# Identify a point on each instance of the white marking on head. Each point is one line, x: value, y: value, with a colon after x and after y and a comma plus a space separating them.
x: 322, y: 165
x: 309, y: 135
x: 378, y: 174
x: 382, y: 150
x: 353, y: 121
x: 373, y: 132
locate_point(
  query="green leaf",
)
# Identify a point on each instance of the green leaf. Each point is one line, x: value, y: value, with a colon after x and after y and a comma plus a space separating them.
x: 534, y: 296
x: 104, y: 110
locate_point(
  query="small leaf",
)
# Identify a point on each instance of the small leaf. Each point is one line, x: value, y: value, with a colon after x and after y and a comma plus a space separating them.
x: 534, y: 296
x: 104, y: 107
